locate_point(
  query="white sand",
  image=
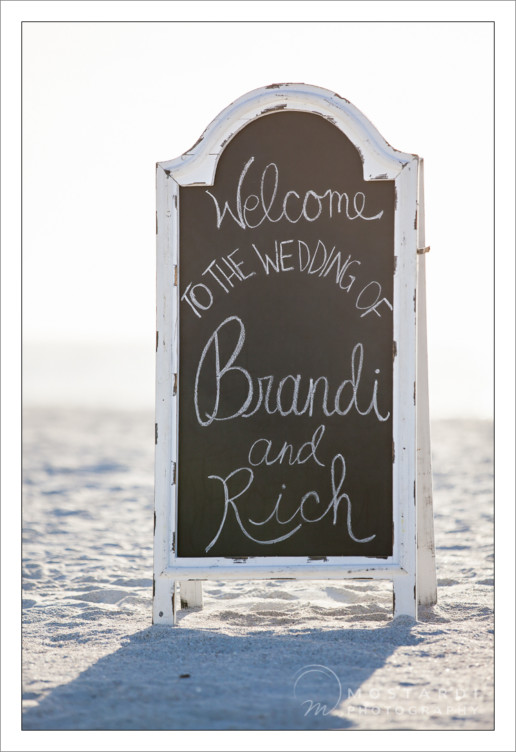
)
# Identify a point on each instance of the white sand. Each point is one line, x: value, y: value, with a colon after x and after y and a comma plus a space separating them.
x: 92, y: 660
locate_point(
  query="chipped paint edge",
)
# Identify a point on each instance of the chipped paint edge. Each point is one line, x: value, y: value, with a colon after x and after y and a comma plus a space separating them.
x: 198, y: 165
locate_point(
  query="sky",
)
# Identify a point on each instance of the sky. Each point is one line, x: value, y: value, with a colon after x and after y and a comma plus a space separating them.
x: 103, y: 102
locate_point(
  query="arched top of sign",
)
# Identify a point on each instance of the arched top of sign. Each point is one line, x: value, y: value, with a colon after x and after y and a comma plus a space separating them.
x: 198, y: 165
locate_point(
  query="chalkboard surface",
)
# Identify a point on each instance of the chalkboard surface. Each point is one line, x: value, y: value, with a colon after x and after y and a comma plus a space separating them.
x: 286, y: 349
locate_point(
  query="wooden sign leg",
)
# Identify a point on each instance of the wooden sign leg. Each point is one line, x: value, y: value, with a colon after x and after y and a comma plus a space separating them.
x: 165, y: 602
x: 191, y: 594
x: 404, y: 596
x: 427, y: 586
x: 426, y: 578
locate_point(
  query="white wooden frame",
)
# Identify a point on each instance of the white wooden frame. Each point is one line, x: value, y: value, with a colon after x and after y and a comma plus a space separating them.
x: 197, y: 167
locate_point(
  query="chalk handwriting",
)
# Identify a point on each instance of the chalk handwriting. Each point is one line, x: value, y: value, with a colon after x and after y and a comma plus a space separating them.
x: 252, y: 210
x: 237, y: 483
x: 291, y: 394
x: 224, y: 273
x: 259, y: 451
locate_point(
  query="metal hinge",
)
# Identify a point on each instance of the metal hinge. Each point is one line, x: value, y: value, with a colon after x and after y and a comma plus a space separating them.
x: 424, y: 250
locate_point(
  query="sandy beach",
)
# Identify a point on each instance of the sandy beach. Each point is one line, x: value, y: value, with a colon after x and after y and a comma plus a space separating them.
x: 260, y: 655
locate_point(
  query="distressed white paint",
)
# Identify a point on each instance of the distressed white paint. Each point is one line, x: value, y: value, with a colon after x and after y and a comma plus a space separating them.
x: 167, y: 226
x: 426, y: 580
x: 191, y: 594
x: 197, y: 167
x: 282, y: 567
x: 404, y: 385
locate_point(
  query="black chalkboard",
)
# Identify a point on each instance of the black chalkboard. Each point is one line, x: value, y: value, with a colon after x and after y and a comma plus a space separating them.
x: 285, y: 380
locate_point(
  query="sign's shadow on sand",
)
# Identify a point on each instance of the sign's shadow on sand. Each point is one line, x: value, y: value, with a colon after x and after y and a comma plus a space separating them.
x: 180, y: 678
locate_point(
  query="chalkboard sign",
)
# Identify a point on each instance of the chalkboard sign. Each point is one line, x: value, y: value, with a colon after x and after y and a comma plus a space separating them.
x: 285, y: 372
x: 286, y: 345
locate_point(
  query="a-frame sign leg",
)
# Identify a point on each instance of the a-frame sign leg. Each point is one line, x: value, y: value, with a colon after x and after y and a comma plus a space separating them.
x: 164, y: 608
x: 191, y: 594
x: 418, y: 586
x: 405, y: 595
x: 427, y: 587
x: 426, y: 577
